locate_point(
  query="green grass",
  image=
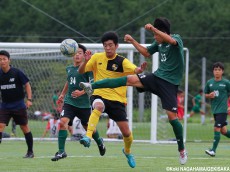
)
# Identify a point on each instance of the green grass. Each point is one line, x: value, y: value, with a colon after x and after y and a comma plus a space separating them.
x: 149, y: 157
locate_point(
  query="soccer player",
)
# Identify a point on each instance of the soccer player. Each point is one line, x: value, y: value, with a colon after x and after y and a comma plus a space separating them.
x: 76, y: 103
x: 12, y: 82
x: 109, y: 64
x: 164, y: 81
x: 197, y: 101
x: 217, y: 90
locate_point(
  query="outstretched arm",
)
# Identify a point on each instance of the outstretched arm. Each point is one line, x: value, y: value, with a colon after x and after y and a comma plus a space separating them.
x: 143, y: 50
x: 167, y: 38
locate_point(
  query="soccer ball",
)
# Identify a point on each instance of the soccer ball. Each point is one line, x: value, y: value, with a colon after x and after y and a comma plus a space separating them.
x: 69, y: 47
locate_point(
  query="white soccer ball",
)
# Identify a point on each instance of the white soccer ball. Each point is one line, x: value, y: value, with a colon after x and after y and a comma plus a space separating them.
x: 69, y: 47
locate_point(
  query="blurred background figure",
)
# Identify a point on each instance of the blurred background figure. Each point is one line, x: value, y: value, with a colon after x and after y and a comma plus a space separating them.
x: 113, y: 130
x: 77, y: 129
x: 13, y: 129
x: 53, y: 126
x: 197, y: 101
x: 180, y: 104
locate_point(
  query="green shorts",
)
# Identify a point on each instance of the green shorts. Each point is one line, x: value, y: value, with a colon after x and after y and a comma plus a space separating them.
x: 196, y: 109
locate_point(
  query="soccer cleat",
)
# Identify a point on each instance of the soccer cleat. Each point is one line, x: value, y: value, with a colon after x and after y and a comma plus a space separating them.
x: 29, y: 155
x: 86, y: 87
x: 183, y: 157
x: 59, y: 156
x: 210, y: 152
x: 130, y: 159
x: 85, y: 141
x: 102, y: 148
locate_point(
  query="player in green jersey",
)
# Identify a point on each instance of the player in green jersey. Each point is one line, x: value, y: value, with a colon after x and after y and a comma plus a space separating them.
x: 164, y: 81
x: 217, y: 90
x: 76, y: 103
x: 197, y: 101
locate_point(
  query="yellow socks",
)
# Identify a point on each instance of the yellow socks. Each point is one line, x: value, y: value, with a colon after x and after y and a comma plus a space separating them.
x: 128, y: 142
x: 93, y: 120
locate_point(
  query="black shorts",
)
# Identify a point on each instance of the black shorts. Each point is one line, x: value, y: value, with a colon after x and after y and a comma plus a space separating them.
x: 20, y: 116
x: 162, y: 88
x: 71, y: 112
x: 220, y: 120
x: 115, y: 110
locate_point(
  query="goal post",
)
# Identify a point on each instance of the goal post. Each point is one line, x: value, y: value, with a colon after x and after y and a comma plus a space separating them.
x: 45, y: 66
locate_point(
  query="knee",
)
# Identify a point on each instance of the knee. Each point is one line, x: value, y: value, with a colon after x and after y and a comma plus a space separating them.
x: 63, y: 125
x: 223, y: 132
x: 99, y: 106
x: 126, y: 133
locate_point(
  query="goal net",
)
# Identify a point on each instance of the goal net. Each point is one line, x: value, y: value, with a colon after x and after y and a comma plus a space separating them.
x: 45, y: 66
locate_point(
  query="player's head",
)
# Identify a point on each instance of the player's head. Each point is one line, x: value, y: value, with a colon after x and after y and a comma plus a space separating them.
x: 162, y: 24
x: 4, y: 60
x: 5, y: 53
x: 110, y: 43
x: 201, y: 91
x: 218, y: 70
x: 110, y: 36
x: 82, y: 47
x: 79, y: 57
x: 218, y: 65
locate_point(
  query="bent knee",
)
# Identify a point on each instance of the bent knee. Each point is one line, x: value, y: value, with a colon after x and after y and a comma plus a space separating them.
x: 99, y: 105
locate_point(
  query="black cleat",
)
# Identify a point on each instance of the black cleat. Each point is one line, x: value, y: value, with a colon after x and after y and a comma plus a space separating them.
x: 102, y: 148
x: 29, y: 155
x: 59, y: 156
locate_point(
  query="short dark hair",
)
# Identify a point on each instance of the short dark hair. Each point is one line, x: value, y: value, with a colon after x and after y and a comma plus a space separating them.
x: 162, y: 24
x: 218, y: 64
x: 110, y: 36
x: 200, y: 91
x: 82, y: 47
x: 5, y: 53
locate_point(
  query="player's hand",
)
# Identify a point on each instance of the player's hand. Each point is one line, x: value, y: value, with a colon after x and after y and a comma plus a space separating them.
x: 142, y: 67
x: 149, y: 27
x: 88, y: 55
x: 77, y: 93
x: 28, y: 104
x: 60, y: 99
x: 212, y: 95
x: 128, y: 38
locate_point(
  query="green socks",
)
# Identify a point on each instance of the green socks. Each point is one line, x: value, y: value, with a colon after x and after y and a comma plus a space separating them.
x: 97, y: 138
x: 216, y: 140
x: 178, y: 131
x: 110, y: 83
x: 228, y: 134
x: 62, y: 135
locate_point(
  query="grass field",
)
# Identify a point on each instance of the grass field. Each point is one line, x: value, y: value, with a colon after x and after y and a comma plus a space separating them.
x: 149, y: 157
x: 141, y: 130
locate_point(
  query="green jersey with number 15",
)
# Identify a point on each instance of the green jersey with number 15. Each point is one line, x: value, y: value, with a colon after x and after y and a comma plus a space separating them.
x: 171, y: 60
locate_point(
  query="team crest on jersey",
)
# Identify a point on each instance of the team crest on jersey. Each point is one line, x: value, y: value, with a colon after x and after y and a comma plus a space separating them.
x: 11, y: 79
x: 114, y: 67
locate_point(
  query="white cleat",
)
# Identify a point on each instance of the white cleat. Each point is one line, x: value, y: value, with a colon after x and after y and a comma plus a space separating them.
x: 183, y: 157
x: 210, y: 152
x: 86, y: 87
